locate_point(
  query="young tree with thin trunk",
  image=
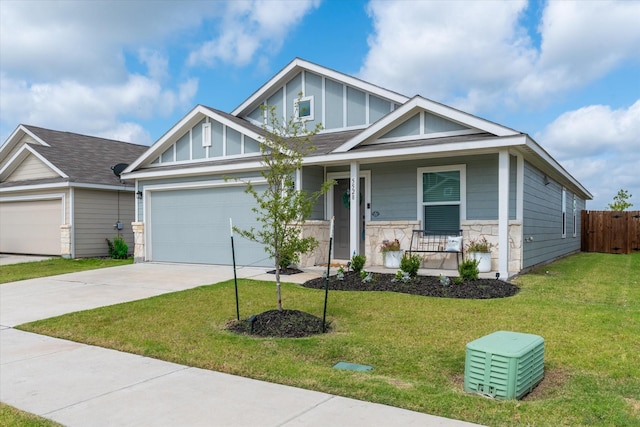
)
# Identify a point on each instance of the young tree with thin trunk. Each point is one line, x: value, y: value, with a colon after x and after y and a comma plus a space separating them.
x: 282, y: 209
x: 620, y: 201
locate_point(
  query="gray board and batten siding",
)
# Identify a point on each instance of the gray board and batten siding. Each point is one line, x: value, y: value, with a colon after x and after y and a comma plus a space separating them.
x: 542, y: 219
x: 394, y: 187
x: 336, y: 106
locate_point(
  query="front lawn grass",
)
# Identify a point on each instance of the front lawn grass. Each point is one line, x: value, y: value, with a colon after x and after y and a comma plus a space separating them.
x: 10, y: 416
x: 54, y: 266
x: 586, y: 307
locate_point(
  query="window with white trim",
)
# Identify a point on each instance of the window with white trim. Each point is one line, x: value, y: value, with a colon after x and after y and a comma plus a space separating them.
x: 564, y: 213
x: 303, y: 108
x: 441, y: 197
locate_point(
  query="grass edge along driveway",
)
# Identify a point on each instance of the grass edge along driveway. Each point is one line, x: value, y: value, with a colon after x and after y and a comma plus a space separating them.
x: 586, y: 307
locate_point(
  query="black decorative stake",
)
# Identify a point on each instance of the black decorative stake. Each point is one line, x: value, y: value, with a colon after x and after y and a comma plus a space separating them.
x: 326, y: 280
x: 235, y: 278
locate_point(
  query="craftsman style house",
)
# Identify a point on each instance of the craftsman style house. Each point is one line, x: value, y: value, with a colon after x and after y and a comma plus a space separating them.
x: 400, y: 164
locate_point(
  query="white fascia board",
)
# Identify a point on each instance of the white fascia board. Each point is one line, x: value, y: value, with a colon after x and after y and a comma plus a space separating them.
x: 34, y: 187
x: 19, y: 157
x: 484, y: 146
x: 15, y: 138
x: 158, y: 147
x: 297, y: 65
x: 32, y: 197
x: 194, y: 171
x: 170, y: 136
x: 103, y: 187
x: 419, y: 103
x: 546, y: 157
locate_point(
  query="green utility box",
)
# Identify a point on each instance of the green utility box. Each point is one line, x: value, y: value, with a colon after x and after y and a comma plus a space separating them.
x: 504, y: 365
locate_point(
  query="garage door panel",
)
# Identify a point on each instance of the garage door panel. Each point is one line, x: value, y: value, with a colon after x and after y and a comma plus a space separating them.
x: 193, y: 226
x: 31, y: 227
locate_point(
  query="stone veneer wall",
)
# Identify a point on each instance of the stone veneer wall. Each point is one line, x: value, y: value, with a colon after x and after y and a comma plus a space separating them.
x: 138, y: 241
x: 319, y: 230
x: 65, y: 241
x: 379, y: 231
x: 477, y: 229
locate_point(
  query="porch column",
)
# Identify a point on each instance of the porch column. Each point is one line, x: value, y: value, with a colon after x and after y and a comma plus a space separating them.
x: 354, y: 210
x: 503, y: 214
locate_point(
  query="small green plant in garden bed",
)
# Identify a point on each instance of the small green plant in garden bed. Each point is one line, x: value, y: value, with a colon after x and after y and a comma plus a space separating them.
x: 468, y: 269
x: 358, y: 262
x: 411, y: 264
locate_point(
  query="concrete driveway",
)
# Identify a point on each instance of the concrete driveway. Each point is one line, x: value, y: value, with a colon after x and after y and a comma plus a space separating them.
x: 82, y: 385
x: 35, y: 299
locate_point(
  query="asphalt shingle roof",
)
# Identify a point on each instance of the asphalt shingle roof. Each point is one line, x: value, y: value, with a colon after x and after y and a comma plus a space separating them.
x: 84, y: 159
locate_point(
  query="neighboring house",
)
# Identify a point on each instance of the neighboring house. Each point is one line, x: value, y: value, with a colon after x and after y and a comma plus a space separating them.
x: 415, y: 164
x: 60, y: 196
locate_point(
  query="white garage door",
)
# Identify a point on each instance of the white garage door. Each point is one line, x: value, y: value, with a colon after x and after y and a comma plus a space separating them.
x: 31, y: 227
x: 192, y: 226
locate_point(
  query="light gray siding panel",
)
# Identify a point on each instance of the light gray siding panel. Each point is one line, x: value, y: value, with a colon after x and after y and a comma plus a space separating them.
x: 334, y: 110
x: 356, y: 107
x: 313, y: 87
x: 217, y: 139
x: 258, y: 114
x: 312, y: 180
x: 482, y: 188
x: 96, y: 213
x: 294, y: 87
x: 409, y: 127
x: 196, y: 141
x: 276, y: 101
x: 251, y: 145
x: 168, y: 155
x: 435, y: 124
x: 542, y: 222
x: 378, y: 108
x: 182, y: 147
x: 234, y: 141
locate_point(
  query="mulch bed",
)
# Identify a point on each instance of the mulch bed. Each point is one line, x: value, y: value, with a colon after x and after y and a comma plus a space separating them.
x: 297, y: 324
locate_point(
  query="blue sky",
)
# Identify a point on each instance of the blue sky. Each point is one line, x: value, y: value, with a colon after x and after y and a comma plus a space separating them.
x: 567, y: 73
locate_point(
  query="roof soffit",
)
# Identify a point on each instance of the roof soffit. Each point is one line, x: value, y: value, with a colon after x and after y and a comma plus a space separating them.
x: 419, y: 104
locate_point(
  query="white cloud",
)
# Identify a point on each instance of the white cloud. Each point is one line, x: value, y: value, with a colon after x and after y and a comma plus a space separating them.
x: 95, y: 109
x: 600, y: 147
x: 65, y: 65
x: 249, y: 27
x: 478, y: 56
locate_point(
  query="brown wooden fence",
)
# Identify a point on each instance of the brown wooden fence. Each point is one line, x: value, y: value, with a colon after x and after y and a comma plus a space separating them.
x: 610, y: 232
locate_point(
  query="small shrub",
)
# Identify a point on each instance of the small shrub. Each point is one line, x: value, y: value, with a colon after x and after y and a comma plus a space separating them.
x: 366, y: 276
x: 468, y: 269
x: 340, y: 273
x: 411, y: 264
x: 401, y: 276
x: 357, y: 262
x: 118, y: 249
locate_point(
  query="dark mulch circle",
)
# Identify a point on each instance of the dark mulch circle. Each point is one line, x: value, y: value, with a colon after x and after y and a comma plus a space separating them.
x: 283, y: 324
x: 297, y: 324
x: 429, y: 286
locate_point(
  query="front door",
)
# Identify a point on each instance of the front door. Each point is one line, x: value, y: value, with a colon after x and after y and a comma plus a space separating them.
x: 342, y: 225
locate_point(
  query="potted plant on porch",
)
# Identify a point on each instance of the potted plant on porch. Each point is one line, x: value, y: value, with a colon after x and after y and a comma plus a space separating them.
x: 480, y: 250
x: 391, y: 253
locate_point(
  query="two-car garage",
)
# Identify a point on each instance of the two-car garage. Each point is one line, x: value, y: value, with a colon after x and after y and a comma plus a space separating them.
x: 190, y: 223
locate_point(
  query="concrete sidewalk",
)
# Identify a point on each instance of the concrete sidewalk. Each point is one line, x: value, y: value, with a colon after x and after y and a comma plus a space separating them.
x: 81, y: 385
